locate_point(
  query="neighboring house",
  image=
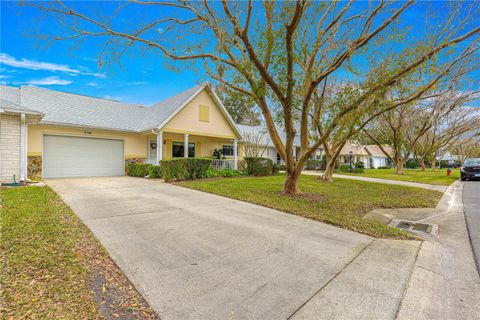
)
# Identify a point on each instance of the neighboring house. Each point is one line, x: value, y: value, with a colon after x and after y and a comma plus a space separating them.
x: 258, y: 137
x: 55, y: 134
x: 371, y: 155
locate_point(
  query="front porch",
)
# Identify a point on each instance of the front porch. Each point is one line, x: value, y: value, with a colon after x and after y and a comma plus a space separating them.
x: 170, y: 145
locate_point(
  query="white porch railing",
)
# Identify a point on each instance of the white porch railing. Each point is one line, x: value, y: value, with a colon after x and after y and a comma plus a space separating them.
x: 221, y: 164
x: 150, y: 161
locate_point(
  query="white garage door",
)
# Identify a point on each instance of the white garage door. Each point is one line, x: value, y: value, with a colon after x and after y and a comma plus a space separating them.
x: 81, y: 157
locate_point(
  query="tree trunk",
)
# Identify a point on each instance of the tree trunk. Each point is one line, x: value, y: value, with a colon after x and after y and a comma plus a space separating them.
x: 291, y: 183
x: 329, y: 169
x: 434, y: 163
x: 422, y: 164
x: 399, y: 166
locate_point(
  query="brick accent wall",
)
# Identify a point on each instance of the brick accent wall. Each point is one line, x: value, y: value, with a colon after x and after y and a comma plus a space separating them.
x: 34, y: 167
x: 9, y: 147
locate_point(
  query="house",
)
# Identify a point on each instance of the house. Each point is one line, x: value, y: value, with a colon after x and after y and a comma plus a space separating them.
x: 54, y: 134
x: 257, y: 137
x: 371, y: 155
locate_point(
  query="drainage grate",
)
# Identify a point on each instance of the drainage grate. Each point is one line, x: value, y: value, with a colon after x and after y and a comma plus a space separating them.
x: 413, y: 226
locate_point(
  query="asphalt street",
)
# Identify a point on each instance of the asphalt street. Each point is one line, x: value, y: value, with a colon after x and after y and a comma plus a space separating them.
x: 471, y: 202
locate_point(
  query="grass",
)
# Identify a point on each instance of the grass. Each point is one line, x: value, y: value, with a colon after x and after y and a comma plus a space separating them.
x: 54, y: 268
x: 429, y: 176
x: 342, y: 203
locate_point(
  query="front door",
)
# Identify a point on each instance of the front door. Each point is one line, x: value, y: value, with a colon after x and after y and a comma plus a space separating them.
x: 152, y: 151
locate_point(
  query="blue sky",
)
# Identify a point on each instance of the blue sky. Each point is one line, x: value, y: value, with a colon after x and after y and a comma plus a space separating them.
x: 26, y: 58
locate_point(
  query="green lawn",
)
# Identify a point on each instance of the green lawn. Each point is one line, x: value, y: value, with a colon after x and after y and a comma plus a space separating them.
x: 342, y: 203
x: 54, y: 268
x: 429, y: 176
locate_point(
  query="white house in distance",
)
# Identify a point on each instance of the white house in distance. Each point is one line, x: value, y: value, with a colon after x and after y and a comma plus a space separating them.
x: 259, y: 136
x: 371, y: 155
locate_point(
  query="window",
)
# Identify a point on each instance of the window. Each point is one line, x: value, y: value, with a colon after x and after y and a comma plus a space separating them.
x: 204, y: 113
x: 227, y: 150
x: 177, y: 149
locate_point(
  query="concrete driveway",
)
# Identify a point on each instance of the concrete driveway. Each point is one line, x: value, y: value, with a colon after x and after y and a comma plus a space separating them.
x: 195, y: 255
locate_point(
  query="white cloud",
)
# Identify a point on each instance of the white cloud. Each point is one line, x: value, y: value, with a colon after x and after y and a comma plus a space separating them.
x: 48, y: 81
x: 39, y: 65
x: 93, y: 84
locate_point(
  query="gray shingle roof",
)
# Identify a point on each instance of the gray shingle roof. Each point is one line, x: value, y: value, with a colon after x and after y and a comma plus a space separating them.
x: 13, y: 107
x: 77, y: 110
x: 11, y: 94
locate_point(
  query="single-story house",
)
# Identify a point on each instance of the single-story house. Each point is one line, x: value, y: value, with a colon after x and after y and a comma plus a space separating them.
x: 371, y: 155
x: 55, y: 134
x: 257, y: 137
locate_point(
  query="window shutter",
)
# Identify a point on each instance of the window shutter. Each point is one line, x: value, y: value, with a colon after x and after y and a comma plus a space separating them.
x: 204, y: 113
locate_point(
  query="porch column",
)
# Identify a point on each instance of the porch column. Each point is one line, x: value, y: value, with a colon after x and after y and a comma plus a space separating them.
x: 235, y: 155
x: 185, y: 145
x: 23, y: 147
x: 159, y: 146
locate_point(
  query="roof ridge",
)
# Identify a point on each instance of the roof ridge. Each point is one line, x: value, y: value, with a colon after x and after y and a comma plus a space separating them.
x: 198, y: 86
x: 80, y: 95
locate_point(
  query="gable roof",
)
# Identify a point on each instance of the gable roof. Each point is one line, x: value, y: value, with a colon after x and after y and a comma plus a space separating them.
x: 375, y: 150
x: 355, y: 149
x: 69, y: 109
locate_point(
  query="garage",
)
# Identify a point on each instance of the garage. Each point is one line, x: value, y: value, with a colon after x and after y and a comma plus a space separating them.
x: 67, y: 156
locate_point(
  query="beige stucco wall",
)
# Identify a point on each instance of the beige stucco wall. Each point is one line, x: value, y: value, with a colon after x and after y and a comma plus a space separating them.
x: 188, y: 120
x: 9, y: 147
x: 135, y: 144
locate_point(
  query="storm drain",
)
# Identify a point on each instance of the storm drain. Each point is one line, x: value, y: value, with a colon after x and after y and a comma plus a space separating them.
x: 414, y: 226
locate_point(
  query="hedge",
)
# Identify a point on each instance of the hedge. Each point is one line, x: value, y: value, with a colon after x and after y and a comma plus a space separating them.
x: 138, y: 169
x: 154, y: 172
x: 257, y: 166
x: 184, y: 169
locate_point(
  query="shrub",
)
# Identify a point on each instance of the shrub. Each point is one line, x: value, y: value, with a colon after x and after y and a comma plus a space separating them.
x: 411, y: 164
x: 279, y: 167
x: 345, y: 168
x: 138, y: 169
x: 257, y: 166
x: 213, y: 173
x: 184, y: 169
x: 444, y: 164
x: 230, y: 173
x: 315, y: 164
x: 360, y: 165
x: 154, y: 172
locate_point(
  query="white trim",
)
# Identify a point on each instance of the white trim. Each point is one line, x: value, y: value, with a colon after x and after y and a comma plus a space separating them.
x: 185, y: 145
x: 23, y: 147
x: 235, y: 154
x: 159, y: 147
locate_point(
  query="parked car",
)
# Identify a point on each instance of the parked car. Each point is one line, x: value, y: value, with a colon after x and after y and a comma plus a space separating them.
x: 470, y: 169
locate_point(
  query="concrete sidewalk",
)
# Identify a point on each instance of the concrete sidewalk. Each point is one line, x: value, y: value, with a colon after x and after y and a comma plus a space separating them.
x: 445, y: 283
x: 386, y: 181
x: 195, y: 255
